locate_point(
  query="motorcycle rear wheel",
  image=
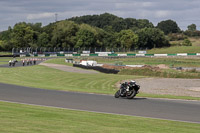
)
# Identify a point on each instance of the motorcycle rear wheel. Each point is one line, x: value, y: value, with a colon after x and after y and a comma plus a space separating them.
x: 132, y: 94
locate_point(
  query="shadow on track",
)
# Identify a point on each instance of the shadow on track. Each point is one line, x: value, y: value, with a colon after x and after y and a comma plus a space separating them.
x: 137, y: 98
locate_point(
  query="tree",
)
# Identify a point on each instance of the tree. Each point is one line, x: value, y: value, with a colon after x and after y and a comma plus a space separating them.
x: 127, y: 39
x: 64, y: 34
x: 168, y: 26
x: 5, y: 46
x: 1, y: 45
x: 192, y: 27
x: 22, y: 35
x: 85, y: 38
x: 43, y: 40
x: 144, y: 23
x: 151, y: 38
x: 112, y: 22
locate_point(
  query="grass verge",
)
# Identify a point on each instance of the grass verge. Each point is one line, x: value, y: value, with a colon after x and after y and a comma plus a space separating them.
x: 176, y: 62
x: 5, y: 60
x: 19, y: 118
x: 167, y: 96
x: 5, y: 53
x: 175, y: 49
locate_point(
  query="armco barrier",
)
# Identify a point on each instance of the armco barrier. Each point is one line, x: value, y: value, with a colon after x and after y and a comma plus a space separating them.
x: 112, y: 55
x: 131, y: 54
x: 149, y: 54
x: 171, y: 54
x: 97, y: 68
x: 93, y: 54
x: 76, y: 54
x: 193, y: 54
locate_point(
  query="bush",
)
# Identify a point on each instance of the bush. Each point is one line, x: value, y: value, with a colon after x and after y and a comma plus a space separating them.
x: 192, y: 33
x: 186, y: 42
x: 176, y: 36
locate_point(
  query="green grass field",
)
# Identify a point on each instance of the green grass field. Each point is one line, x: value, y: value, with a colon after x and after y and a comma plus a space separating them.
x: 19, y: 118
x: 48, y: 78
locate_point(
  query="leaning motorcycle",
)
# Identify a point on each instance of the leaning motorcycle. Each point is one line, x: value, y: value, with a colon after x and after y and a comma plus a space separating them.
x: 128, y: 89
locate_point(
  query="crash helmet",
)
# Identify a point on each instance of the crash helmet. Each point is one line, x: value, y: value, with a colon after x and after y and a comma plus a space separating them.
x: 132, y: 82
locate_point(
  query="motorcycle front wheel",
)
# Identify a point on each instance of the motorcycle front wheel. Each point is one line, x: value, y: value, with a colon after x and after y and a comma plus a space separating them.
x: 131, y: 94
x: 117, y: 94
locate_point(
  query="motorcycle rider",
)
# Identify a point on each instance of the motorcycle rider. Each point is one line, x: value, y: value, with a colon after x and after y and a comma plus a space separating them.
x: 129, y: 85
x: 128, y: 89
x: 132, y: 83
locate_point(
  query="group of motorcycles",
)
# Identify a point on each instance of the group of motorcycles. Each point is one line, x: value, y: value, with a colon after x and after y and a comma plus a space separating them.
x: 128, y: 90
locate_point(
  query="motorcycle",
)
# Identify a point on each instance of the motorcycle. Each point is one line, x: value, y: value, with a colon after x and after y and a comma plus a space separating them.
x: 128, y: 89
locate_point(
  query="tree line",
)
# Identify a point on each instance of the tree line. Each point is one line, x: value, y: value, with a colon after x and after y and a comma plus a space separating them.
x: 94, y: 31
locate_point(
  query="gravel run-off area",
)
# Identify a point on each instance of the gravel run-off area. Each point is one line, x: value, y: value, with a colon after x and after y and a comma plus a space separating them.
x: 170, y: 86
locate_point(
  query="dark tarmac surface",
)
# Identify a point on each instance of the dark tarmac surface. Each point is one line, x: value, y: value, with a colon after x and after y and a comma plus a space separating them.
x: 178, y: 110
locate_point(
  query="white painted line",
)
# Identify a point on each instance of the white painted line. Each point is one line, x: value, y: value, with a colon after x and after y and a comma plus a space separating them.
x: 140, y: 55
x: 122, y: 54
x: 102, y: 54
x: 182, y: 54
x: 85, y: 54
x: 99, y: 112
x: 70, y: 55
x: 160, y: 54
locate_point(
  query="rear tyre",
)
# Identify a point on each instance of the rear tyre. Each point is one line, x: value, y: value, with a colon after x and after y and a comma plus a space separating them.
x: 117, y: 94
x: 131, y: 95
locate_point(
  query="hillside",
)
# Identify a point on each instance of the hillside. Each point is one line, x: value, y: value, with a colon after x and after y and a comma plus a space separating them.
x: 111, y: 22
x: 98, y: 32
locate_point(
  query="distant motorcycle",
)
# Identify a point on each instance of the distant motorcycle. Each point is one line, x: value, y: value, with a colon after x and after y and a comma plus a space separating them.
x: 128, y: 89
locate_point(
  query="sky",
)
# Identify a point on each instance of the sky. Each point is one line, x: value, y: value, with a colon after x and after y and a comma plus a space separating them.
x: 184, y: 12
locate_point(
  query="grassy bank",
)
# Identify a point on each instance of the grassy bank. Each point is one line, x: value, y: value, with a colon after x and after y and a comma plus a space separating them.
x: 164, y: 73
x: 176, y: 62
x: 175, y: 49
x: 18, y: 118
x: 48, y: 78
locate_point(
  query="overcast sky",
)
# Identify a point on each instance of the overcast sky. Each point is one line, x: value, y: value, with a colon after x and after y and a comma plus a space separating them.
x: 184, y: 12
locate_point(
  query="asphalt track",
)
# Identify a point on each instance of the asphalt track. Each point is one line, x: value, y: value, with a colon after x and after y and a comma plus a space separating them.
x: 178, y: 110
